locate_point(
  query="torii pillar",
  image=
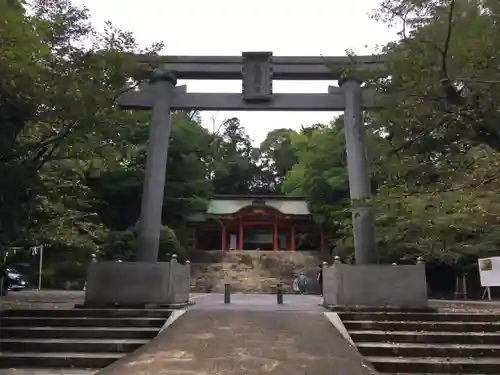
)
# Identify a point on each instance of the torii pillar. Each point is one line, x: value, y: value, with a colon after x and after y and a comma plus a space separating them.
x: 146, y: 281
x: 367, y: 283
x: 359, y: 177
x: 153, y: 189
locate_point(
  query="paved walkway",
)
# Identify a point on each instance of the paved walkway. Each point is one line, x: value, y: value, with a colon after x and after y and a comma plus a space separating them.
x: 257, y: 302
x: 63, y: 299
x: 226, y: 342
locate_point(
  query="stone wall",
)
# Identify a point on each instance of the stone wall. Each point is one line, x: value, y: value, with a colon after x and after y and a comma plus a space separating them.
x: 251, y: 271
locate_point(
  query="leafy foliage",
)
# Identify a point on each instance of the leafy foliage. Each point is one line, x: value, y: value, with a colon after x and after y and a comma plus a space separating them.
x: 439, y: 171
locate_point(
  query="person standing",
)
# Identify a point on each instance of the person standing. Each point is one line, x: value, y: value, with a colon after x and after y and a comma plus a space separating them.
x: 295, y: 284
x: 302, y: 283
x: 319, y: 278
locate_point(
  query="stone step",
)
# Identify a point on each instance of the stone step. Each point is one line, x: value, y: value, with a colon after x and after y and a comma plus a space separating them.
x: 422, y: 326
x: 414, y: 373
x: 47, y: 371
x: 71, y: 345
x: 78, y: 332
x: 420, y: 317
x: 386, y: 309
x: 26, y: 321
x: 433, y: 365
x: 428, y: 350
x: 58, y: 360
x: 487, y: 338
x: 90, y: 313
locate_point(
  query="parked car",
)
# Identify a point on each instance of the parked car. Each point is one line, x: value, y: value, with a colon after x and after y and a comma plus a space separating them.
x: 15, y: 280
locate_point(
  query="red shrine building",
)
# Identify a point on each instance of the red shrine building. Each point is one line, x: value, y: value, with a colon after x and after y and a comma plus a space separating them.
x: 250, y: 222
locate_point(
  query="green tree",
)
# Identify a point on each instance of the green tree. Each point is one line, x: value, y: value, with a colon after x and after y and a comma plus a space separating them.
x: 60, y: 78
x: 438, y: 170
x: 320, y: 173
x: 443, y: 83
x: 233, y: 169
x: 276, y: 158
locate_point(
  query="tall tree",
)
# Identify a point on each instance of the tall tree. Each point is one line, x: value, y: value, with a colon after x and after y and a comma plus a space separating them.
x: 58, y: 121
x: 443, y: 79
x: 320, y: 173
x: 233, y: 169
x: 276, y: 158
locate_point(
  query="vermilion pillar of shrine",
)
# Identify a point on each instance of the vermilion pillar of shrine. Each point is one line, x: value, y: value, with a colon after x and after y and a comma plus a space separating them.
x: 292, y: 238
x: 322, y: 241
x: 275, y: 237
x: 240, y: 236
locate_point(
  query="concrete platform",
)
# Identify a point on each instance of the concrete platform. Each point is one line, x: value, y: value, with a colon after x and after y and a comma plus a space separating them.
x: 258, y: 302
x: 245, y: 342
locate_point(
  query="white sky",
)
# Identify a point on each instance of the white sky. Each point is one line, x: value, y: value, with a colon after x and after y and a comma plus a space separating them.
x: 230, y: 27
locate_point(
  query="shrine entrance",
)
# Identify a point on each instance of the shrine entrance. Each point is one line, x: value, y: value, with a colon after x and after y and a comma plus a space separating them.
x: 257, y: 70
x: 253, y: 222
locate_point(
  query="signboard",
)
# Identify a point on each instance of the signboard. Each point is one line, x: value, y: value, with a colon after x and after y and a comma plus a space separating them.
x: 489, y: 271
x: 257, y: 80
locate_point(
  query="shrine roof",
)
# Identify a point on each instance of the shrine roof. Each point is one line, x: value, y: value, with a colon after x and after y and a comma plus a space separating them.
x: 230, y: 204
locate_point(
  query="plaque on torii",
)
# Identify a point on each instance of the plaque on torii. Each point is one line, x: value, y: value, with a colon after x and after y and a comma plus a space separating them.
x: 257, y: 76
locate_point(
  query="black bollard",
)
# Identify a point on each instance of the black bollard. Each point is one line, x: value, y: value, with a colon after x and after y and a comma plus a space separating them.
x: 227, y: 293
x: 279, y: 294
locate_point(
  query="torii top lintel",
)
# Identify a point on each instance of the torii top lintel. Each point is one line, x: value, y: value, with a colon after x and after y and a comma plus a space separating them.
x: 282, y: 67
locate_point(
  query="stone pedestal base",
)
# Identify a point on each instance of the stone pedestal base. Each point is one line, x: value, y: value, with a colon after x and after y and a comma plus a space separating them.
x: 378, y: 286
x: 137, y: 284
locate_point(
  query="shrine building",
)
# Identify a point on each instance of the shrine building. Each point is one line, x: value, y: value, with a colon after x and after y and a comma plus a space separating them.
x: 250, y: 222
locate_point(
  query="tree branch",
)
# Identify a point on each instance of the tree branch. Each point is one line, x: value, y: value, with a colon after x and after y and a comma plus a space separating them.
x: 44, y: 143
x: 446, y: 48
x: 126, y: 89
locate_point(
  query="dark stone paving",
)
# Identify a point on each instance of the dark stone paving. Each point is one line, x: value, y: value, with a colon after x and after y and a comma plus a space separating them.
x: 245, y: 342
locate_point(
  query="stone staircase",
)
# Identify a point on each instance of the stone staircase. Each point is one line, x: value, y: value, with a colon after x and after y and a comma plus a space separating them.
x: 44, y: 341
x: 427, y: 343
x: 250, y: 271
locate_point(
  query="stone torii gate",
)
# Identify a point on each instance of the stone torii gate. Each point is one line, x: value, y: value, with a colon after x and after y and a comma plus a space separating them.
x: 148, y: 281
x: 257, y: 70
